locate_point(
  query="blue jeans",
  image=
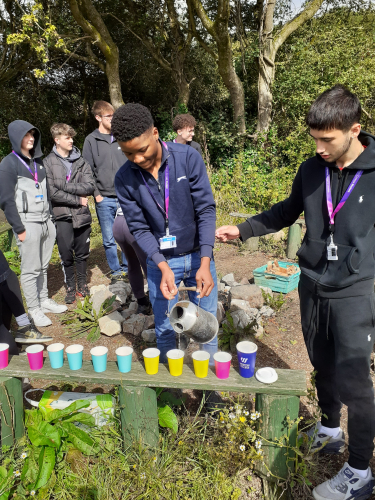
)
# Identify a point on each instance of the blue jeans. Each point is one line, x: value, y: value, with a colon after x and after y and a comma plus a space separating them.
x: 185, y: 268
x: 106, y: 212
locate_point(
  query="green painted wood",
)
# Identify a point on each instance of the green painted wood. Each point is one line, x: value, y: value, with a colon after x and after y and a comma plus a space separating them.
x: 289, y: 381
x: 252, y: 244
x: 139, y: 416
x: 11, y: 410
x: 274, y: 410
x: 294, y: 240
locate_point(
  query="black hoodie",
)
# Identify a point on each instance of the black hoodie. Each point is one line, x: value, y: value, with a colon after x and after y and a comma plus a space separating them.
x: 17, y: 186
x: 354, y: 232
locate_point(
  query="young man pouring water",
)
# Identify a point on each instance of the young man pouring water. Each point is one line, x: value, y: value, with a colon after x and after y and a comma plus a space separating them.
x: 335, y: 190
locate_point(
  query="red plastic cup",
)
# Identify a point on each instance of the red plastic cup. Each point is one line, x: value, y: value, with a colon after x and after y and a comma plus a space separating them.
x: 4, y: 355
x: 35, y: 356
x: 222, y: 364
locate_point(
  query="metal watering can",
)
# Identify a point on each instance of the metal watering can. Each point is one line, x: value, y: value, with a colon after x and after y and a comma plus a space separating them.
x: 201, y: 326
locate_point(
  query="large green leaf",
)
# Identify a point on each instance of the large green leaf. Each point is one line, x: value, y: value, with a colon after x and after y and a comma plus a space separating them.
x: 33, y: 417
x: 3, y: 473
x: 82, y: 418
x: 167, y: 418
x: 47, y: 460
x: 81, y: 440
x: 44, y: 434
x: 51, y: 416
x: 5, y: 495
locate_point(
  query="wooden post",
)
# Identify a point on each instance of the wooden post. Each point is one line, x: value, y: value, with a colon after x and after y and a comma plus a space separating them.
x: 274, y: 410
x: 11, y: 410
x: 294, y: 240
x: 139, y: 416
x: 252, y: 244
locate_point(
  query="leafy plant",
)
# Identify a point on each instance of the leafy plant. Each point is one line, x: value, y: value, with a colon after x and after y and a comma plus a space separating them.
x: 231, y: 335
x: 167, y: 418
x: 83, y: 320
x: 14, y: 261
x: 276, y: 302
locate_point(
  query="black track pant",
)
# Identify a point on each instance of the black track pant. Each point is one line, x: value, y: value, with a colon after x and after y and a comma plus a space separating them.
x: 10, y: 304
x: 339, y: 336
x: 73, y: 244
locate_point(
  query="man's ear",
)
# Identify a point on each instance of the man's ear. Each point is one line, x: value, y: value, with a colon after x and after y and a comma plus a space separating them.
x: 355, y: 130
x: 155, y: 133
x: 98, y: 118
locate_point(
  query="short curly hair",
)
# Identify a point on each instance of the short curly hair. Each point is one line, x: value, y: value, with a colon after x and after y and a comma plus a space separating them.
x: 183, y: 121
x: 130, y: 121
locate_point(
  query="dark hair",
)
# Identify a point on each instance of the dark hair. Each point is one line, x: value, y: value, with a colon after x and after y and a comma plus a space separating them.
x: 335, y: 108
x: 130, y: 121
x: 100, y: 107
x: 183, y: 121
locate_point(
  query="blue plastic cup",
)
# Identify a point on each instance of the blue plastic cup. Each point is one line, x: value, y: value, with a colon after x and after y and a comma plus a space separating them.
x: 74, y: 353
x: 124, y: 358
x: 246, y: 352
x: 56, y: 355
x: 99, y: 358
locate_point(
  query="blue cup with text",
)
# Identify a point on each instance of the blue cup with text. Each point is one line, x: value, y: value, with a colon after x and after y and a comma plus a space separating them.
x: 75, y: 354
x: 99, y: 358
x: 56, y: 355
x: 246, y: 352
x: 124, y: 358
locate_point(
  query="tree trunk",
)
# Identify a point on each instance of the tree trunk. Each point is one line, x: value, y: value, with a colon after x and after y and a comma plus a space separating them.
x: 113, y: 77
x: 183, y: 90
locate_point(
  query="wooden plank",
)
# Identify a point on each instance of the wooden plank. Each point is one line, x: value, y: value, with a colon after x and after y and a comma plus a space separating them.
x: 139, y: 416
x: 275, y: 410
x: 289, y: 382
x: 294, y: 241
x: 247, y: 216
x: 11, y: 410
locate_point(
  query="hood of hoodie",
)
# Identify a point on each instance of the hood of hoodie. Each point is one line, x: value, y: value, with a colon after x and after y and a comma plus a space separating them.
x: 365, y: 161
x: 17, y: 131
x: 74, y: 155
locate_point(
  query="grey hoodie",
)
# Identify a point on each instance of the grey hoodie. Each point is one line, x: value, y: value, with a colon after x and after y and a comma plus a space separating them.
x: 17, y: 186
x: 67, y: 161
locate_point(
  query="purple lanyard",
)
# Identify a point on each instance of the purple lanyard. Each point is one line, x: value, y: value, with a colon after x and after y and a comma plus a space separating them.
x: 69, y: 175
x: 35, y: 176
x: 166, y: 192
x: 347, y: 193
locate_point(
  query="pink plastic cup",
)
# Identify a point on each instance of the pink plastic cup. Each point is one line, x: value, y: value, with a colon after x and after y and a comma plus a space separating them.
x: 4, y: 355
x: 35, y: 356
x: 222, y: 364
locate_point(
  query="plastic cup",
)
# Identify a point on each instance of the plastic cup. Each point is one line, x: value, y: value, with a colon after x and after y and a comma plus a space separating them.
x: 151, y: 357
x: 200, y: 362
x: 56, y: 355
x: 124, y: 358
x: 222, y: 364
x: 74, y: 353
x: 175, y: 362
x: 246, y: 352
x: 99, y: 358
x: 35, y: 356
x: 4, y: 355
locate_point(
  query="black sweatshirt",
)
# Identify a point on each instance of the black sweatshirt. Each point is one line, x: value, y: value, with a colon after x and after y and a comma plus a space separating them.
x: 354, y: 232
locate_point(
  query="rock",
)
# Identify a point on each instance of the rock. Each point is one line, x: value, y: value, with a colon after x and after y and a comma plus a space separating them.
x: 279, y: 236
x: 228, y: 279
x: 146, y: 288
x: 241, y: 319
x: 121, y: 290
x: 244, y: 281
x: 221, y: 287
x: 251, y: 293
x: 133, y: 307
x: 266, y: 290
x: 227, y: 289
x: 149, y: 322
x: 132, y: 298
x: 149, y: 335
x: 220, y: 314
x: 111, y: 324
x: 259, y: 330
x: 243, y: 305
x: 134, y: 324
x: 97, y: 288
x: 99, y: 297
x: 266, y: 311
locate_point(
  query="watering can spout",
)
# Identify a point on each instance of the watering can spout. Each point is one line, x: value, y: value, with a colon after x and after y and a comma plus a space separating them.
x: 198, y: 324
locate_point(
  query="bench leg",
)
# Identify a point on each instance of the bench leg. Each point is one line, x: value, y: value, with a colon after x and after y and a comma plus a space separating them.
x: 11, y: 410
x: 139, y: 416
x: 274, y: 410
x: 294, y: 240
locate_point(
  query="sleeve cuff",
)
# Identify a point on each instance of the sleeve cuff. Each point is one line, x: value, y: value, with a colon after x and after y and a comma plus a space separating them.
x: 96, y: 193
x: 245, y: 229
x: 206, y: 251
x: 158, y: 257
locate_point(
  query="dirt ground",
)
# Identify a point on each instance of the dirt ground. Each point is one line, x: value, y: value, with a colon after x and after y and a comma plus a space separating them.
x: 282, y: 346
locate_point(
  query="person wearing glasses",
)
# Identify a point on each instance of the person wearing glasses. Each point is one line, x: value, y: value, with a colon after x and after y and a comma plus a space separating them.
x: 105, y: 157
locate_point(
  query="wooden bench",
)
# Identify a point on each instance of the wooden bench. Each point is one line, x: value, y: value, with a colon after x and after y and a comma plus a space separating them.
x: 294, y: 236
x: 138, y: 407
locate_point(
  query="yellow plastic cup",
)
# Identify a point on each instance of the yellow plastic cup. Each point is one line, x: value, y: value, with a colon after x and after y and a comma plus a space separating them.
x: 151, y: 357
x: 200, y: 361
x: 175, y: 362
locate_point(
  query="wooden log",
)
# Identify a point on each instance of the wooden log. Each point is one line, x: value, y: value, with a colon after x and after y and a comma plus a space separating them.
x: 275, y: 410
x: 11, y: 410
x: 294, y: 240
x: 139, y: 417
x: 252, y: 244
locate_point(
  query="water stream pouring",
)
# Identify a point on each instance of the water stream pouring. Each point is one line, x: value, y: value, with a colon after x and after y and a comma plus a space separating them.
x: 201, y: 326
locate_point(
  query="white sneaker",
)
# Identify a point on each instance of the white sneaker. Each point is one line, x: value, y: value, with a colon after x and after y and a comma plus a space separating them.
x: 39, y: 318
x: 346, y: 485
x: 50, y: 306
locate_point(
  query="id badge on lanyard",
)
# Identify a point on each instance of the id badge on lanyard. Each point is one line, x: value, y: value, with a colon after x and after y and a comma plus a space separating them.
x: 331, y: 247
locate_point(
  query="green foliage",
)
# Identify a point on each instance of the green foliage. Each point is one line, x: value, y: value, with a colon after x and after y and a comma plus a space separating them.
x: 14, y: 260
x: 165, y: 402
x: 84, y: 321
x: 274, y: 301
x: 232, y: 335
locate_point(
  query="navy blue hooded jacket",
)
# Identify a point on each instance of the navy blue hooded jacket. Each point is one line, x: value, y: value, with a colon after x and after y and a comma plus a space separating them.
x: 192, y: 210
